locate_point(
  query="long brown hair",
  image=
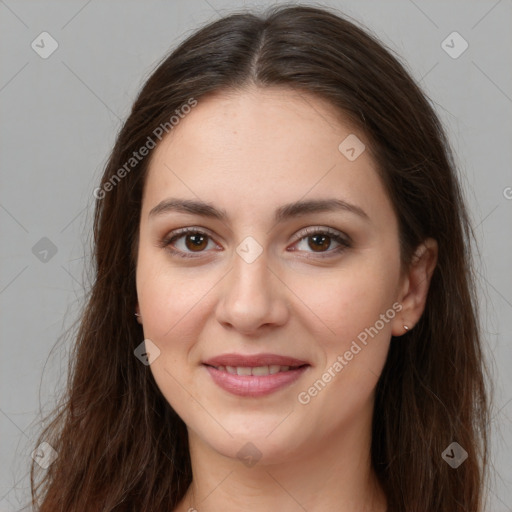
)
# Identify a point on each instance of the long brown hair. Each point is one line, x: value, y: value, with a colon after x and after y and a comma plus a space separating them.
x: 120, y: 444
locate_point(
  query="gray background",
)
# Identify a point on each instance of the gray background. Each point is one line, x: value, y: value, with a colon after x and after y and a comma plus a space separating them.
x: 59, y: 117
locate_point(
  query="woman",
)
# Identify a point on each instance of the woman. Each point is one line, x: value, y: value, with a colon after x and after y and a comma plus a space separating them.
x: 283, y: 316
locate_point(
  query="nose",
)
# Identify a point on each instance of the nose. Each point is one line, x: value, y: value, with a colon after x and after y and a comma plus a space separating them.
x: 252, y: 297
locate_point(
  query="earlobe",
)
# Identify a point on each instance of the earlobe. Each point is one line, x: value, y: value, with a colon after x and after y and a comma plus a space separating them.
x: 416, y: 286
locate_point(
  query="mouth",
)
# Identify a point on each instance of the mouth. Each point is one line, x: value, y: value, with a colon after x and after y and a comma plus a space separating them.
x: 256, y: 375
x: 254, y: 361
x: 257, y: 370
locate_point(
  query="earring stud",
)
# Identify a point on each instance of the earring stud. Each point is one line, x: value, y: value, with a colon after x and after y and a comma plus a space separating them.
x: 406, y: 328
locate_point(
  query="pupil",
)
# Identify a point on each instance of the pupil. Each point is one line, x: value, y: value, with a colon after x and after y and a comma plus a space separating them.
x: 321, y: 242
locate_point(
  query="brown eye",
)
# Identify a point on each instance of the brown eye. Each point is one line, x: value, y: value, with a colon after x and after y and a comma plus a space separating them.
x: 322, y: 242
x: 189, y: 243
x: 319, y: 243
x: 196, y: 242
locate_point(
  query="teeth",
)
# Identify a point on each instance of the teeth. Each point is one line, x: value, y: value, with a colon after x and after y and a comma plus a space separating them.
x: 256, y: 370
x: 261, y: 370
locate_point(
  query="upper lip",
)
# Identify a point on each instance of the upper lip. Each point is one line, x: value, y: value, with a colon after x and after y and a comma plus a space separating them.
x: 253, y: 360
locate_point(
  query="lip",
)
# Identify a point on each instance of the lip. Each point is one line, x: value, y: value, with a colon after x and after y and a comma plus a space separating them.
x: 254, y: 385
x: 253, y: 360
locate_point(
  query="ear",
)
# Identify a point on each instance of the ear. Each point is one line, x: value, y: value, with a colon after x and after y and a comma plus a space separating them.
x: 415, y: 285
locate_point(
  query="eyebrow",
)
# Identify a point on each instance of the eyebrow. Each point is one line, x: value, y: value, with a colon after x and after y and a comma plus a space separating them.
x: 285, y: 212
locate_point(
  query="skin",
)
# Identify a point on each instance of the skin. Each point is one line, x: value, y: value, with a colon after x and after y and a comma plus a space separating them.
x: 250, y: 152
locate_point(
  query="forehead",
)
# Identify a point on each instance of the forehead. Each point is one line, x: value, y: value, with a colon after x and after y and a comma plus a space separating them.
x: 256, y: 149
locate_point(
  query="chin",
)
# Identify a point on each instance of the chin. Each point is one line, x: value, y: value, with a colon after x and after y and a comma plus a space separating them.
x: 256, y: 445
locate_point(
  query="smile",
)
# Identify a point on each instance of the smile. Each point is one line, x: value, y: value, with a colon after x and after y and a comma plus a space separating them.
x: 254, y: 381
x: 256, y: 370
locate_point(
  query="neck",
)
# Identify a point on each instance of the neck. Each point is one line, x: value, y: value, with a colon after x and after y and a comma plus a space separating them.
x: 336, y: 475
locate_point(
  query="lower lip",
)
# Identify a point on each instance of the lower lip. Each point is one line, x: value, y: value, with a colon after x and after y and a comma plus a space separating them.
x: 254, y: 385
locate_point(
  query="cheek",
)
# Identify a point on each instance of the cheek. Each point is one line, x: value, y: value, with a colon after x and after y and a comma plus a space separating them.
x: 354, y: 354
x: 349, y: 300
x: 169, y: 297
x: 173, y: 304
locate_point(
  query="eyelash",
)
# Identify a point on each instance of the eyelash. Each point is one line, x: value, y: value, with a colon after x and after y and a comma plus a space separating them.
x: 343, y: 241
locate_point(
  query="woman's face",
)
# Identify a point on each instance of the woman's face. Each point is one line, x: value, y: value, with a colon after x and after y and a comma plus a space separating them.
x: 292, y: 251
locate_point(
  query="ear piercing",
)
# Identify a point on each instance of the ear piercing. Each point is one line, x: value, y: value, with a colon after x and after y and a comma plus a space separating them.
x: 136, y: 314
x: 406, y: 328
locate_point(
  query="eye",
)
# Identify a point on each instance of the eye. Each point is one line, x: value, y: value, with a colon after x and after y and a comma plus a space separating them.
x: 321, y: 242
x: 185, y: 242
x: 325, y: 242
